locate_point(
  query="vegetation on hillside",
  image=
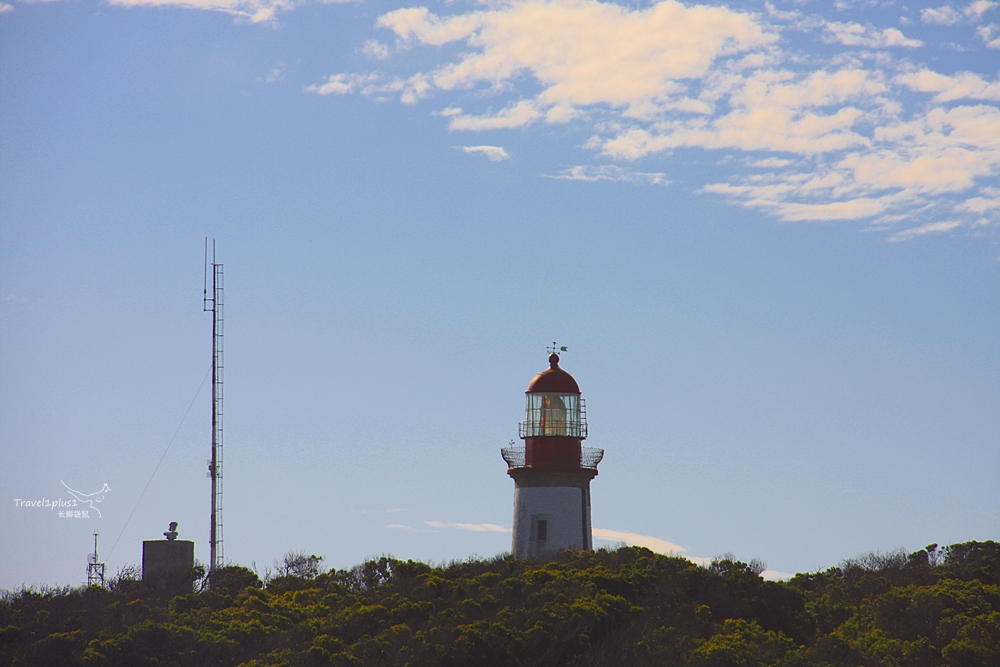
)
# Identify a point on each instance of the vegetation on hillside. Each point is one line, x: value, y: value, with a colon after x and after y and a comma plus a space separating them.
x: 628, y: 606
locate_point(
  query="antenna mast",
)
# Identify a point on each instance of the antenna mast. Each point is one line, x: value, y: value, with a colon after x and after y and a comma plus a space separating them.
x: 215, y: 306
x: 95, y: 570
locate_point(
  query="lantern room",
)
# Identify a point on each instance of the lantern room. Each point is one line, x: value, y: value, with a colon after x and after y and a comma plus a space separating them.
x: 552, y: 414
x: 555, y: 421
x: 554, y: 406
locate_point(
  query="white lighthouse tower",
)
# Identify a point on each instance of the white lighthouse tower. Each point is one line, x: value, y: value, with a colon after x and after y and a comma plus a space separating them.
x: 552, y: 471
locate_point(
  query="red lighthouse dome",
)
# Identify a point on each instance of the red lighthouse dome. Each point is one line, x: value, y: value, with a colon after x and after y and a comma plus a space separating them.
x: 553, y: 379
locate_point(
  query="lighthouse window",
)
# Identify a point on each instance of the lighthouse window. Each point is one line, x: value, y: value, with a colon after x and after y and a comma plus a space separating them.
x: 543, y: 529
x: 553, y: 414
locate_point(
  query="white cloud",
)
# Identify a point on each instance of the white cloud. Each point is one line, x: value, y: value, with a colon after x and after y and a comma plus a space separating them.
x: 494, y: 153
x: 555, y: 42
x: 929, y: 228
x: 963, y: 85
x: 851, y: 136
x: 769, y: 110
x: 781, y: 15
x: 635, y: 539
x: 475, y: 527
x: 654, y: 544
x: 948, y: 15
x: 910, y: 166
x: 6, y: 7
x: 975, y: 10
x: 986, y: 33
x: 855, y: 34
x: 659, y: 546
x: 987, y: 203
x: 610, y: 172
x: 375, y: 49
x: 944, y: 15
x: 768, y: 163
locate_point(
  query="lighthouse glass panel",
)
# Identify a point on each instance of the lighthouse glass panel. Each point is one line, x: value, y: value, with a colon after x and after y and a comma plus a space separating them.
x: 553, y: 414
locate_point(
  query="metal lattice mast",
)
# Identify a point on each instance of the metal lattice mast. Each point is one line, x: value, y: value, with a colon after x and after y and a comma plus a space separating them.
x: 95, y: 570
x: 215, y: 305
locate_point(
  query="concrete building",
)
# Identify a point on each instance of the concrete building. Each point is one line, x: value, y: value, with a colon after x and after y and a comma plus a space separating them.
x: 552, y: 470
x: 168, y: 564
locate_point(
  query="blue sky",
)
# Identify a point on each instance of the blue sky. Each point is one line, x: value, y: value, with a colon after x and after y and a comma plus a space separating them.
x: 768, y: 234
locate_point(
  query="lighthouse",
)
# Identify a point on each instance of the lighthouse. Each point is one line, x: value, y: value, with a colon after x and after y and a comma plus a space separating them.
x: 552, y: 470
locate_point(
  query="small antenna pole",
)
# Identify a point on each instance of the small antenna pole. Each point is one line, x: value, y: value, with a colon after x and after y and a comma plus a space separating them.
x: 204, y: 290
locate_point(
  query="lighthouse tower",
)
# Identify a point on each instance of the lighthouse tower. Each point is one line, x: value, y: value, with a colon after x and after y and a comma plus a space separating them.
x: 552, y: 471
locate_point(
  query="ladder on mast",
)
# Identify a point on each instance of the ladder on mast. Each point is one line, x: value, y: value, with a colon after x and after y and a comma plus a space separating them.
x: 215, y: 305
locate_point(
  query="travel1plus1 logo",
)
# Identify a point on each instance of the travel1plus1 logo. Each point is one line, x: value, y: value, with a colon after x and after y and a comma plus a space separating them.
x: 79, y: 506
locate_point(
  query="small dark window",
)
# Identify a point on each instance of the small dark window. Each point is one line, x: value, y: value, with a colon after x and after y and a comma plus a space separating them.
x: 543, y: 529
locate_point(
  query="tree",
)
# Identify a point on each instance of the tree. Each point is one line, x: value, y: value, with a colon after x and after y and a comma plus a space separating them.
x: 298, y: 564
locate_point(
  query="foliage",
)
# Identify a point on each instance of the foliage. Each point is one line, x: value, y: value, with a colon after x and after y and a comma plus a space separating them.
x: 299, y: 564
x: 626, y: 606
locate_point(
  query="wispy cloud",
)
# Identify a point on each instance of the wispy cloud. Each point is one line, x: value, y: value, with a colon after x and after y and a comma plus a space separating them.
x: 254, y: 11
x: 655, y: 544
x: 948, y: 15
x: 341, y: 84
x: 855, y: 34
x: 628, y: 538
x: 944, y: 15
x: 768, y: 163
x: 32, y: 302
x: 516, y: 115
x: 962, y: 85
x: 610, y: 172
x: 399, y: 526
x: 986, y: 33
x: 668, y: 548
x: 375, y: 49
x: 475, y: 527
x: 6, y: 7
x: 409, y: 90
x: 274, y: 76
x: 494, y: 153
x: 923, y: 230
x: 987, y: 202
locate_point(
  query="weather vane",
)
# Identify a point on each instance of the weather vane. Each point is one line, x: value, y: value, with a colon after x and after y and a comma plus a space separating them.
x: 555, y: 348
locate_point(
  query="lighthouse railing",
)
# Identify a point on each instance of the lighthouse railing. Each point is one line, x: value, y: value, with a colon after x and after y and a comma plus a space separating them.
x: 589, y: 456
x: 514, y: 456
